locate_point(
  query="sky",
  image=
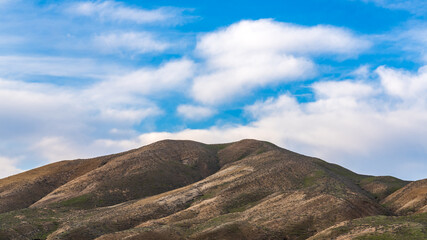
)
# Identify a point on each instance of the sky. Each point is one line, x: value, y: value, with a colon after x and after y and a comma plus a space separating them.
x: 341, y: 80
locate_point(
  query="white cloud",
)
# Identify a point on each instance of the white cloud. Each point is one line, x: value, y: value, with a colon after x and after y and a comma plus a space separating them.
x: 8, y: 167
x: 116, y: 11
x: 269, y: 35
x: 57, y: 148
x: 173, y: 76
x: 195, y: 112
x: 252, y: 54
x: 362, y: 72
x: 134, y: 42
x: 342, y: 89
x: 271, y: 105
x: 353, y: 123
x: 224, y: 84
x: 405, y: 85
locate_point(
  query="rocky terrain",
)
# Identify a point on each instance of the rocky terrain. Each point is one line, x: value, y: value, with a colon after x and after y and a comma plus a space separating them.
x: 188, y: 190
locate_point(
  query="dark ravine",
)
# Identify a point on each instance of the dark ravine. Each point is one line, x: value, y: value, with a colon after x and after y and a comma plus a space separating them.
x: 188, y: 190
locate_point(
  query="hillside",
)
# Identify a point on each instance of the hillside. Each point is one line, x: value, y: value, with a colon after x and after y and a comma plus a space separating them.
x: 147, y: 171
x: 412, y: 227
x: 187, y: 190
x: 410, y: 199
x: 22, y: 190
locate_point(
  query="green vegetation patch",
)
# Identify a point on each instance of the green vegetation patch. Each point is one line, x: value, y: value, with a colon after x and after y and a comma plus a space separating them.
x: 33, y: 223
x: 412, y: 227
x: 213, y: 191
x: 217, y: 147
x: 244, y: 201
x: 311, y: 179
x: 392, y: 184
x: 413, y: 232
x: 388, y: 220
x: 301, y: 230
x: 84, y: 201
x: 207, y: 195
x: 337, y: 169
x: 261, y: 150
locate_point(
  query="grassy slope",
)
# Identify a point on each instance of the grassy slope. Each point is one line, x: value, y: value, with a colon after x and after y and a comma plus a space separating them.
x: 412, y: 227
x: 378, y: 186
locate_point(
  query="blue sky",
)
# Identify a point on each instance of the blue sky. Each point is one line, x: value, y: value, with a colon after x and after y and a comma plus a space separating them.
x: 343, y: 80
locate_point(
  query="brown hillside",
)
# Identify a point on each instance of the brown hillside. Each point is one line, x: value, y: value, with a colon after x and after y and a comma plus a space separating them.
x: 187, y: 190
x: 261, y: 193
x: 22, y: 190
x: 410, y: 199
x: 381, y: 187
x: 147, y: 171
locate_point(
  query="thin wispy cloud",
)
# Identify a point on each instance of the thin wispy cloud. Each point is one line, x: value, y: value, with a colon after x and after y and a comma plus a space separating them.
x: 418, y: 7
x: 195, y: 113
x: 20, y: 66
x: 119, y: 12
x: 10, y: 40
x: 414, y: 40
x: 129, y: 42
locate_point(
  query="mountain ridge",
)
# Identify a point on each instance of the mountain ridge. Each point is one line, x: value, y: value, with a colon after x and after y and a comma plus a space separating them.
x: 242, y: 190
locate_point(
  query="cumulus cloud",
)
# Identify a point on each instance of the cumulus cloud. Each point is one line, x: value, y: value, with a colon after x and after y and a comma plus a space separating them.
x: 267, y: 34
x: 352, y: 122
x: 116, y: 11
x: 195, y: 113
x: 251, y: 54
x: 409, y: 87
x: 133, y: 42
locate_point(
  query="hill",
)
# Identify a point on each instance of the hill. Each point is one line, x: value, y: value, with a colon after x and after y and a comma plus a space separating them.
x: 187, y: 190
x: 410, y: 199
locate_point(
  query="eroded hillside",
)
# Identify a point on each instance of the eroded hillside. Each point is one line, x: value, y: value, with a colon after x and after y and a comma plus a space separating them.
x: 187, y: 190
